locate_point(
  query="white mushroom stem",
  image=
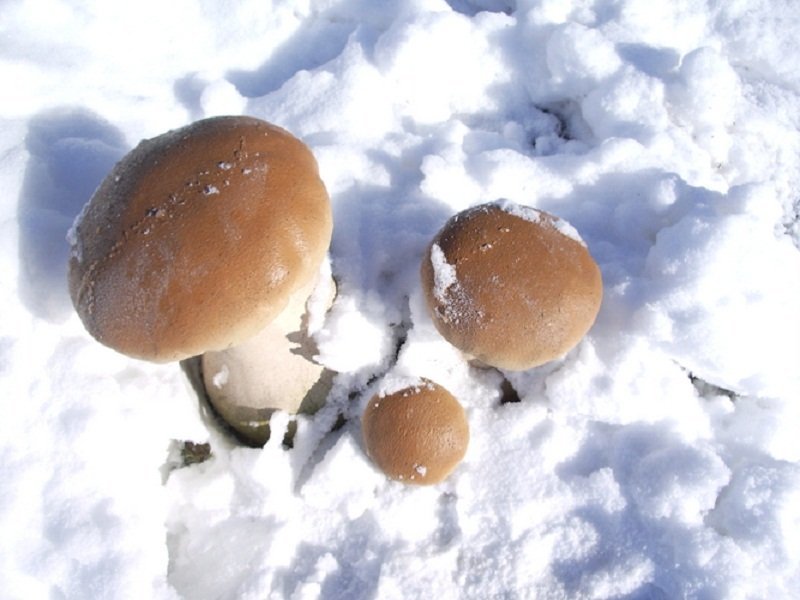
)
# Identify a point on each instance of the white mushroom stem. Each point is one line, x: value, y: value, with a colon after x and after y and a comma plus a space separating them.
x: 273, y: 370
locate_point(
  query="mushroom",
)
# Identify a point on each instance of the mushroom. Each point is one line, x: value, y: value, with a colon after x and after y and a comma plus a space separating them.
x: 208, y: 239
x: 511, y: 286
x: 416, y: 434
x: 273, y: 370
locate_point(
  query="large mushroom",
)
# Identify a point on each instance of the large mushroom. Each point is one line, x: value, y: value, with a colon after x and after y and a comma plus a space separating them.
x: 511, y: 286
x: 207, y: 240
x: 417, y: 433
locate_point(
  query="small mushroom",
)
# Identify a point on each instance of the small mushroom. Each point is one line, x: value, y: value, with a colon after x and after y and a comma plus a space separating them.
x: 209, y: 239
x: 417, y: 434
x: 511, y: 286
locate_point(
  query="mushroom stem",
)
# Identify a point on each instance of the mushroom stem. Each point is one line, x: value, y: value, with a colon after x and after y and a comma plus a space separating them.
x: 273, y: 370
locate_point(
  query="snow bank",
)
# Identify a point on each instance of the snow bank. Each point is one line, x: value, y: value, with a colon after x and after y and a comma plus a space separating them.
x: 657, y: 459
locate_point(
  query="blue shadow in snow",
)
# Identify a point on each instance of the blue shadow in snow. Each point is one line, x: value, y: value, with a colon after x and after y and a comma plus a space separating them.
x: 656, y: 62
x: 308, y: 49
x: 71, y: 151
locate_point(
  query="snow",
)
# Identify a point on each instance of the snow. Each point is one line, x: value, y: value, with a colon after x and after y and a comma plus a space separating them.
x: 535, y: 216
x: 658, y: 459
x: 444, y: 274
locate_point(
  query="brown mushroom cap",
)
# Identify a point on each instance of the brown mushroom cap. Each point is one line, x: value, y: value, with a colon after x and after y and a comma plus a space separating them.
x: 417, y: 434
x: 512, y: 286
x: 197, y: 238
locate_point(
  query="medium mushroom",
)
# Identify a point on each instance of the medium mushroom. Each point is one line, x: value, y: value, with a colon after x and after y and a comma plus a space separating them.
x: 416, y: 434
x: 511, y: 286
x: 209, y: 239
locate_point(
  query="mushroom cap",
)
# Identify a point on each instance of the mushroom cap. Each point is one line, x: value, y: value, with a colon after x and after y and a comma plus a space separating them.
x: 512, y: 286
x: 417, y: 434
x: 197, y: 238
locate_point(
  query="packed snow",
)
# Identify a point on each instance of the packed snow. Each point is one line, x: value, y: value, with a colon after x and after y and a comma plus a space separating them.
x: 658, y: 459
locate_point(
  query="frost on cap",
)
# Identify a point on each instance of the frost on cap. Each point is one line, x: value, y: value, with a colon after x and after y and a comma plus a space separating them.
x: 512, y: 286
x: 197, y: 238
x: 417, y: 434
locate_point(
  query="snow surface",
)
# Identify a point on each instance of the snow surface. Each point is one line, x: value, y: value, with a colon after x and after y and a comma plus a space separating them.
x: 659, y: 459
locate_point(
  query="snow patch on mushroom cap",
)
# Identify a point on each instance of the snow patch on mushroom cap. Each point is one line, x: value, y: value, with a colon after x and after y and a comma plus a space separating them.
x: 394, y: 382
x: 537, y: 216
x: 444, y: 274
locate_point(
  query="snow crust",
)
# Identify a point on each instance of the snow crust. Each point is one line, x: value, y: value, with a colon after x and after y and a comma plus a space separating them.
x: 659, y: 459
